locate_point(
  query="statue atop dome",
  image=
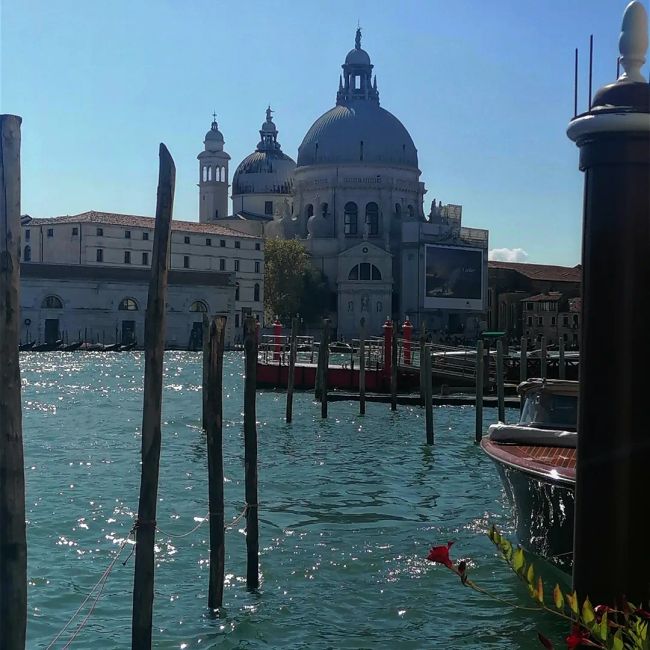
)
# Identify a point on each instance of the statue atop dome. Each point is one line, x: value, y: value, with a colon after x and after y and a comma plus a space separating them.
x: 357, y: 39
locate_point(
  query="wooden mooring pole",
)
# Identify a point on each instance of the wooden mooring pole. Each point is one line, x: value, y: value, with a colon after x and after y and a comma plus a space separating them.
x: 501, y: 407
x: 214, y: 435
x: 13, y: 543
x: 293, y: 351
x: 154, y: 348
x: 393, y: 370
x: 479, y: 391
x: 561, y: 368
x: 523, y: 360
x: 542, y: 358
x: 428, y: 395
x: 324, y: 367
x: 362, y: 368
x: 318, y: 379
x: 250, y: 456
x: 205, y: 327
x: 423, y: 348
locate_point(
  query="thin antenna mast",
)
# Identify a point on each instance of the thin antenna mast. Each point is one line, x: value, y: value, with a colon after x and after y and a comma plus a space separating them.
x: 575, y: 85
x: 591, y: 61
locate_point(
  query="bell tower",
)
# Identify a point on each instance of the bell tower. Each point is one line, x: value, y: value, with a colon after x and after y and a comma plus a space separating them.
x: 213, y: 176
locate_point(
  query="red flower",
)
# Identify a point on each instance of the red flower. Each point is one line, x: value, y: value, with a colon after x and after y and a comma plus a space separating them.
x: 440, y: 554
x: 577, y: 637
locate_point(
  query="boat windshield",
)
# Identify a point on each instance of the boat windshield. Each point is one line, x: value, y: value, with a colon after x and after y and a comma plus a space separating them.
x: 543, y: 409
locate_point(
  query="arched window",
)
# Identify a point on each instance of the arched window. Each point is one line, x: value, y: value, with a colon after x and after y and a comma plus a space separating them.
x: 209, y: 173
x: 364, y: 271
x: 309, y: 210
x: 27, y: 257
x: 205, y: 173
x: 411, y: 211
x: 237, y: 291
x: 52, y: 302
x: 256, y: 292
x: 372, y: 218
x: 350, y: 219
x: 128, y: 304
x: 398, y: 210
x: 199, y: 305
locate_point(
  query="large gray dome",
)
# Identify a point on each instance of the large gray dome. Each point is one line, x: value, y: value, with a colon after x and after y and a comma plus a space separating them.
x: 264, y: 172
x: 358, y: 131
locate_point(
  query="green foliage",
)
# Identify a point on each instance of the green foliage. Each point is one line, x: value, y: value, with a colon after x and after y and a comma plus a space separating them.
x: 291, y: 285
x: 600, y: 627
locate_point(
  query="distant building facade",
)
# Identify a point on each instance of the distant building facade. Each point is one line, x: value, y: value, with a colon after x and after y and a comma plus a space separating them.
x: 198, y: 251
x: 515, y: 288
x: 552, y: 316
x: 107, y: 304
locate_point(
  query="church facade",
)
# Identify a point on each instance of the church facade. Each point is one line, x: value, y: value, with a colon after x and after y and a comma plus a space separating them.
x: 355, y: 200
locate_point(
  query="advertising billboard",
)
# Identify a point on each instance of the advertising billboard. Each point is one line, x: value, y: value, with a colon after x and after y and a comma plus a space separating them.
x: 453, y: 277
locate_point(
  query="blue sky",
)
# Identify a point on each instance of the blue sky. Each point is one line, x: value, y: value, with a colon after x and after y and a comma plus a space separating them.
x: 485, y: 89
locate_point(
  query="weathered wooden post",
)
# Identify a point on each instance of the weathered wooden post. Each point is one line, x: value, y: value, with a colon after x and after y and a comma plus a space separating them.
x: 428, y: 396
x: 611, y: 556
x: 214, y: 435
x: 250, y: 456
x: 479, y: 391
x: 542, y: 358
x: 293, y: 351
x: 205, y: 328
x: 318, y: 379
x: 325, y: 366
x: 523, y: 360
x: 423, y: 349
x: 500, y: 383
x: 154, y: 347
x: 362, y: 368
x: 562, y: 360
x: 13, y: 543
x: 393, y: 371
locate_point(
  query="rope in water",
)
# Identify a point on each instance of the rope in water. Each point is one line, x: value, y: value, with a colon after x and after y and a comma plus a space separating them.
x: 101, y: 583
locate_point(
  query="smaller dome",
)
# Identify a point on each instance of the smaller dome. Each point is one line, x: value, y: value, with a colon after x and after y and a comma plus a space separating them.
x: 266, y: 172
x: 357, y: 57
x: 214, y: 135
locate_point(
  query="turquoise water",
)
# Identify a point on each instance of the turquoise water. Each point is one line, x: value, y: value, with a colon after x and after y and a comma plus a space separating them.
x: 348, y: 509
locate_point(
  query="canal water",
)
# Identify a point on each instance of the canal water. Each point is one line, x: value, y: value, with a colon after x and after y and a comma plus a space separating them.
x: 348, y: 510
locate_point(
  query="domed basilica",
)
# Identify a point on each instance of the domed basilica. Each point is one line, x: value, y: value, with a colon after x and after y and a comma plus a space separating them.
x: 355, y: 201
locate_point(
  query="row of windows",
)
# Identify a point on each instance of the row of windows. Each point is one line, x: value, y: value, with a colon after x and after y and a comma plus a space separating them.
x: 131, y: 304
x: 145, y: 237
x: 145, y: 259
x: 350, y: 214
x: 209, y: 173
x: 565, y: 321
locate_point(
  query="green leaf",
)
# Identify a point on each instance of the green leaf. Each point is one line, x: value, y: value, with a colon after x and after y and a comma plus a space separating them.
x: 530, y: 575
x: 572, y: 599
x: 604, y: 628
x: 588, y: 615
x: 618, y: 641
x: 540, y: 590
x: 518, y: 560
x: 558, y: 598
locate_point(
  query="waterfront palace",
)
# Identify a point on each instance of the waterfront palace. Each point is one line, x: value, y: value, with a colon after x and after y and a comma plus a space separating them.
x: 354, y: 200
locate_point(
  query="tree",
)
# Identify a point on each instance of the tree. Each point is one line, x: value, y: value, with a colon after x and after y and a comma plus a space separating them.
x: 291, y: 285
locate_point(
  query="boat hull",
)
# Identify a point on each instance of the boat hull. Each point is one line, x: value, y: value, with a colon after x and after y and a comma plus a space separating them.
x: 543, y: 510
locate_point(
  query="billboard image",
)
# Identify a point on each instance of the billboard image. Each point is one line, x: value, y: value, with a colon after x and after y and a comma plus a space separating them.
x: 453, y: 277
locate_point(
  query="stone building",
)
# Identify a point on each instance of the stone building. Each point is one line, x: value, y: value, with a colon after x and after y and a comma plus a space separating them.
x: 107, y: 304
x: 198, y: 251
x: 355, y: 201
x: 553, y: 316
x: 510, y: 284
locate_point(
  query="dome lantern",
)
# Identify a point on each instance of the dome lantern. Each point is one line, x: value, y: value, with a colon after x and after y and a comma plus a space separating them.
x: 357, y: 76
